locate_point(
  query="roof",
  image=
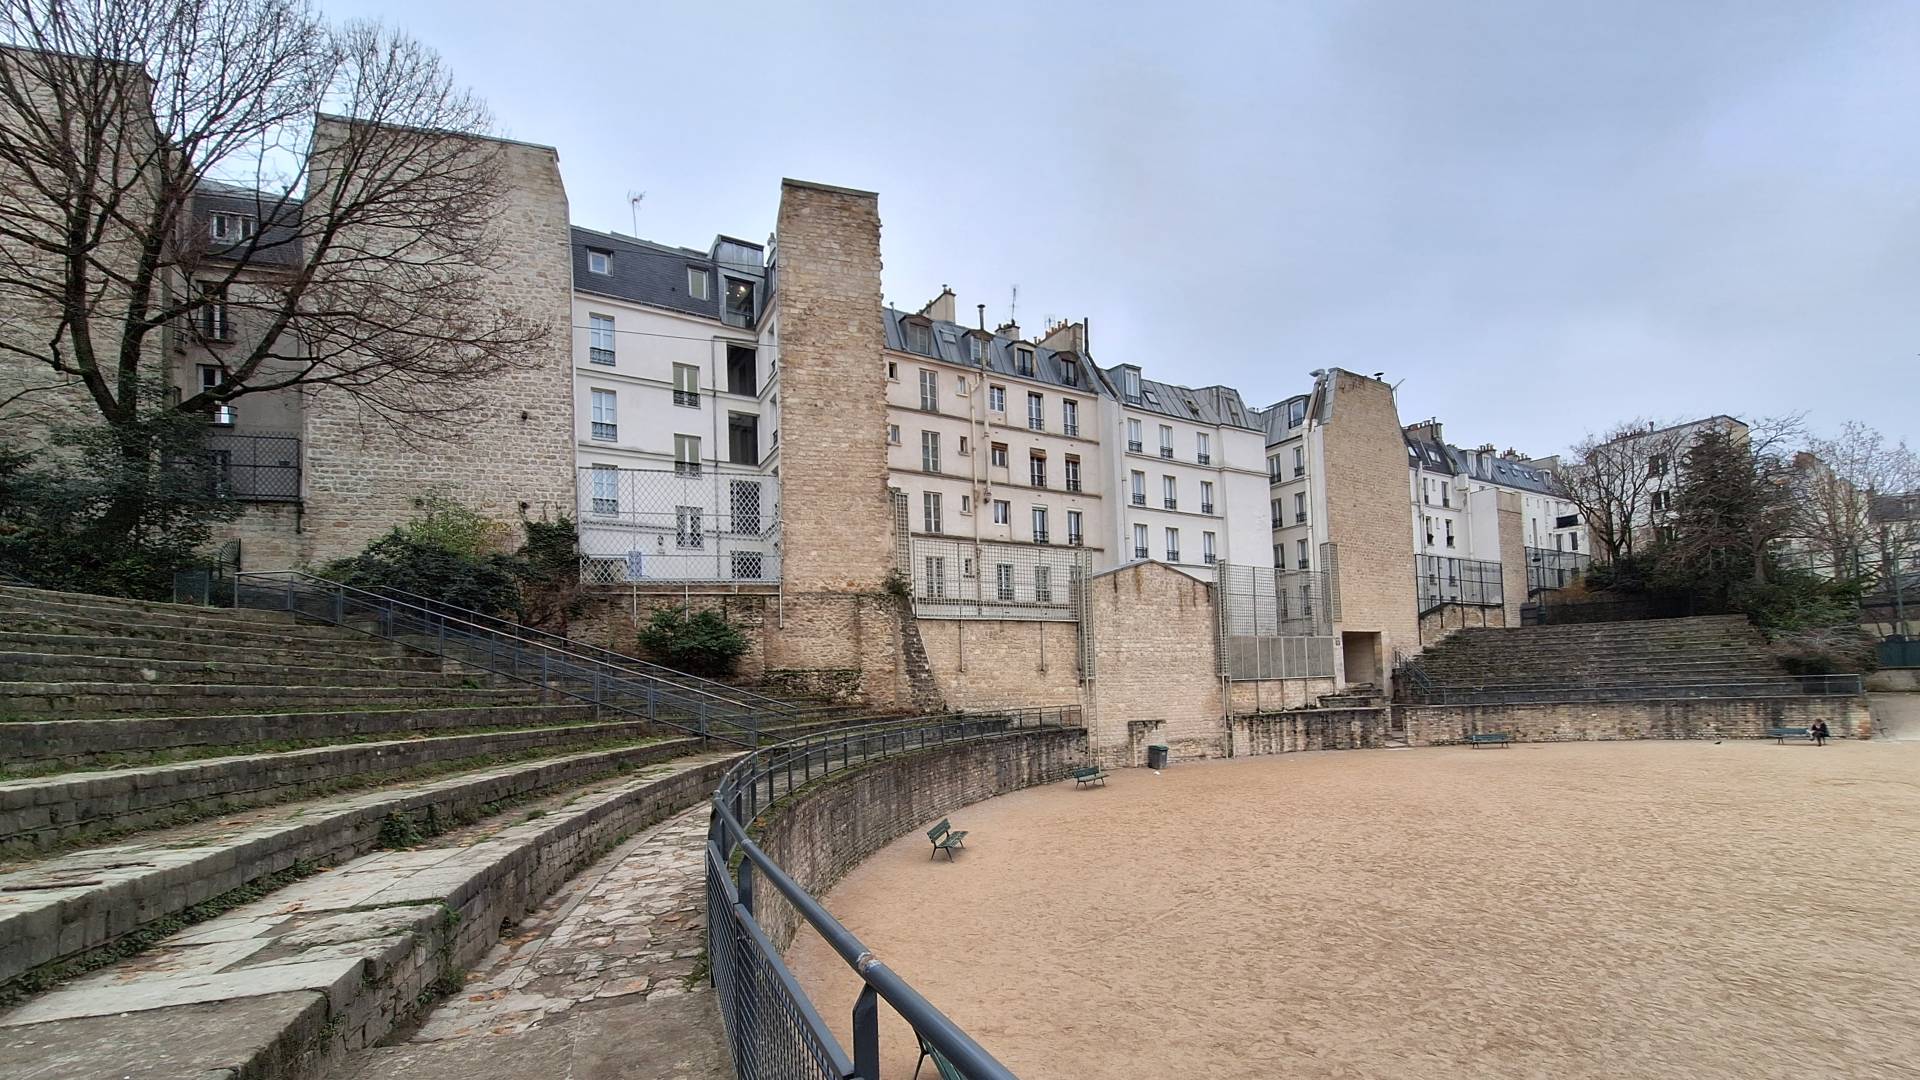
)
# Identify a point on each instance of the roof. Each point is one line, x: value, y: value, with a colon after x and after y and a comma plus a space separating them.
x: 1501, y: 471
x: 1682, y: 424
x: 1220, y: 406
x: 276, y: 216
x: 1273, y: 419
x: 656, y: 274
x: 996, y: 355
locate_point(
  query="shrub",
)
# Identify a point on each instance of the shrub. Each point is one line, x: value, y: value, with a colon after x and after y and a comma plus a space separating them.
x: 1832, y: 650
x: 703, y: 643
x: 399, y: 562
x: 549, y: 568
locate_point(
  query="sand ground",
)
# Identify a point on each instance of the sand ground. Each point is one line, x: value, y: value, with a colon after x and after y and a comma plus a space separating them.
x: 1621, y: 910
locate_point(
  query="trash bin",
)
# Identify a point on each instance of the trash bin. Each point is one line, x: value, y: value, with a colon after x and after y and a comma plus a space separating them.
x: 1156, y: 756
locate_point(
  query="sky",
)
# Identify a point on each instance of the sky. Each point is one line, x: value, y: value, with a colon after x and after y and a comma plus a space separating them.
x: 1539, y: 220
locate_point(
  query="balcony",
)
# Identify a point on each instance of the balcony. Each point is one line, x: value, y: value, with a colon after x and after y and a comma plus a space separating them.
x: 1075, y: 540
x: 1299, y: 519
x: 1139, y: 499
x: 1206, y: 508
x: 224, y: 416
x: 1173, y: 555
x: 1133, y: 446
x: 1040, y: 536
x: 603, y: 357
x: 1070, y: 429
x: 688, y: 398
x: 686, y: 468
x: 603, y: 505
x: 1073, y: 483
x: 1302, y: 564
x: 1204, y: 459
x: 605, y: 432
x: 1139, y: 553
x: 1171, y: 504
x: 1209, y: 558
x: 1299, y: 471
x: 1167, y: 452
x: 1034, y: 423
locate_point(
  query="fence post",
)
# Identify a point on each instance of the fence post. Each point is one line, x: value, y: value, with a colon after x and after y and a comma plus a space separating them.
x: 866, y: 1034
x: 339, y: 605
x: 743, y: 884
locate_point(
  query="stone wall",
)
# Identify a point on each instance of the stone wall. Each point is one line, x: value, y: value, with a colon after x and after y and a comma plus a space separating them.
x: 826, y: 832
x: 1366, y: 479
x: 1156, y: 672
x: 984, y: 663
x: 1442, y: 621
x: 1513, y: 555
x: 1273, y: 695
x: 1682, y: 718
x: 513, y: 455
x: 1310, y: 729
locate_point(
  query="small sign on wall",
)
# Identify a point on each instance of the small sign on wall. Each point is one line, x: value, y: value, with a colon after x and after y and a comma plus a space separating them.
x: 636, y: 565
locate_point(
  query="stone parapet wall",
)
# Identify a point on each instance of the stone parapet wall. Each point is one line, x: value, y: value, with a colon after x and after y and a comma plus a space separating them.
x: 822, y: 834
x: 1678, y: 718
x: 985, y: 663
x: 1438, y: 624
x: 1310, y: 729
x: 1273, y: 695
x: 1156, y: 666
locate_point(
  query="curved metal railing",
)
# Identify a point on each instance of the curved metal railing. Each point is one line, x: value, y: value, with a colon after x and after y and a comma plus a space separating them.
x: 773, y: 1030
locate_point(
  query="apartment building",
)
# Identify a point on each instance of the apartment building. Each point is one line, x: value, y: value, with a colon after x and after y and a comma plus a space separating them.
x: 1290, y: 493
x: 1189, y: 485
x: 676, y: 410
x: 994, y: 443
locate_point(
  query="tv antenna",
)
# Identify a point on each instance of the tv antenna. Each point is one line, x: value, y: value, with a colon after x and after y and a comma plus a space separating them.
x: 1013, y: 306
x: 633, y: 208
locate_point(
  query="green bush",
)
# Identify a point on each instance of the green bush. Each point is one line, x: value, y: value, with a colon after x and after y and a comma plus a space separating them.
x: 549, y: 568
x: 1832, y: 650
x: 703, y: 643
x: 400, y: 562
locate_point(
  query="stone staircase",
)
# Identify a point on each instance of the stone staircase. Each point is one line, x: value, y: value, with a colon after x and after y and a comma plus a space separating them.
x: 236, y: 844
x: 1716, y: 656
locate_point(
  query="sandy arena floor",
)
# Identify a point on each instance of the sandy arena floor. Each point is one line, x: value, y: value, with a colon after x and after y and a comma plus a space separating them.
x: 1645, y: 910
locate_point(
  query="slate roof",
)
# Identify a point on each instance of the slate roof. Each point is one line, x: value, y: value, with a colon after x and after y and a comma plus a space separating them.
x: 1214, y: 405
x: 1449, y: 460
x: 656, y: 274
x: 1273, y: 419
x: 949, y: 342
x: 276, y: 217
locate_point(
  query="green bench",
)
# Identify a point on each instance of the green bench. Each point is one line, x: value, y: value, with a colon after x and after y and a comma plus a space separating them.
x: 1089, y: 776
x: 946, y: 839
x: 948, y: 1070
x: 1782, y: 734
x: 1489, y: 738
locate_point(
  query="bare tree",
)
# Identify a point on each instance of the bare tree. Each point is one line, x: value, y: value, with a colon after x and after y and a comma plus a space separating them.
x: 1611, y: 478
x: 360, y: 264
x: 1837, y: 481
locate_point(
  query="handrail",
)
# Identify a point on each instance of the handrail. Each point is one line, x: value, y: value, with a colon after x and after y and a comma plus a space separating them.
x: 746, y: 698
x: 1522, y: 693
x: 737, y: 804
x: 559, y: 671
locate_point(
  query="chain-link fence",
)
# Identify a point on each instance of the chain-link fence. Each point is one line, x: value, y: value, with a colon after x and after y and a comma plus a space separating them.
x: 985, y: 579
x: 1445, y: 580
x: 1274, y: 624
x: 1550, y: 568
x: 692, y: 523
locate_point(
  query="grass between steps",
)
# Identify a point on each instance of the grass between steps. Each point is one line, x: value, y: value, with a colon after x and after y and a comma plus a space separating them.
x: 201, y: 810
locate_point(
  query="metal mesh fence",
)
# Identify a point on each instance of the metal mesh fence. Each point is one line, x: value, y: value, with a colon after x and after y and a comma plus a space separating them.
x: 255, y: 466
x: 966, y: 579
x: 1274, y: 624
x: 771, y: 1029
x: 1445, y: 580
x: 1548, y: 568
x: 694, y: 523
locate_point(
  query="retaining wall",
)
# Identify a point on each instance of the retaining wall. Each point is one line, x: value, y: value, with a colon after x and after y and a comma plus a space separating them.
x: 1310, y: 729
x: 824, y: 833
x: 1675, y: 718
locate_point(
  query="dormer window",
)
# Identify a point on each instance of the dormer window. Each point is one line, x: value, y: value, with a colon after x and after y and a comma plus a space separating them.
x: 230, y: 228
x: 1130, y: 384
x: 1023, y: 361
x: 919, y: 338
x: 1070, y: 371
x: 696, y: 283
x: 599, y: 262
x: 976, y: 348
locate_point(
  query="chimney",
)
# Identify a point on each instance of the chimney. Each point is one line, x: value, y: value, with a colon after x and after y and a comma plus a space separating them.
x: 1066, y: 336
x: 940, y: 308
x: 1426, y: 431
x: 982, y: 309
x: 1009, y: 329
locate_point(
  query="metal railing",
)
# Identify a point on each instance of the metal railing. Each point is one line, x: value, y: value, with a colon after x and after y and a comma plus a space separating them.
x: 773, y: 1031
x: 1443, y: 579
x: 991, y: 579
x: 255, y: 466
x: 1762, y: 686
x: 502, y: 649
x: 685, y: 524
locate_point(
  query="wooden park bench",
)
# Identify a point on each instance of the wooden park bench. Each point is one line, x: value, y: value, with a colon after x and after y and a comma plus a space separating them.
x: 1489, y: 738
x: 945, y: 839
x: 1782, y: 734
x: 948, y: 1071
x: 1089, y: 775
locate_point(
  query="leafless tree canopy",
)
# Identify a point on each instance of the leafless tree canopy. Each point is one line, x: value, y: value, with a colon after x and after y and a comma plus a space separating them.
x: 1845, y: 487
x: 362, y: 162
x: 1611, y: 479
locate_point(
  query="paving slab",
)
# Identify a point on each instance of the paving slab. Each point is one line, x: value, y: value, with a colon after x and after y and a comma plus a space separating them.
x: 164, y: 1044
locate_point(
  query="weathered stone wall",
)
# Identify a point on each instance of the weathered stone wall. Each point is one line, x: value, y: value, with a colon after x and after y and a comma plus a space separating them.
x: 822, y: 834
x: 1273, y: 695
x: 1156, y: 672
x: 613, y: 617
x: 271, y: 536
x: 1310, y: 729
x: 1437, y: 624
x: 1681, y: 718
x: 1513, y: 555
x: 984, y: 663
x: 1366, y: 479
x: 511, y: 456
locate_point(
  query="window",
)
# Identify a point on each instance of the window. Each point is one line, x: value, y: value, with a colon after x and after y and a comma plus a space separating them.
x: 1300, y: 553
x: 687, y: 528
x: 1206, y: 548
x: 1074, y: 534
x: 213, y: 323
x: 1166, y: 441
x: 1206, y: 496
x: 997, y: 399
x: 930, y: 451
x: 966, y: 568
x: 209, y: 376
x: 1203, y: 448
x: 606, y: 422
x: 930, y: 512
x: 1137, y: 484
x: 686, y: 385
x: 1040, y: 535
x: 744, y: 497
x: 743, y: 439
x: 934, y: 586
x: 1427, y: 522
x: 893, y: 371
x: 1036, y: 412
x: 1426, y: 491
x: 1668, y: 533
x: 599, y: 262
x: 1070, y: 417
x: 1133, y: 435
x: 1657, y: 465
x: 231, y: 228
x: 686, y: 455
x: 748, y: 565
x: 961, y: 385
x: 1276, y: 511
x: 1073, y: 473
x: 1659, y: 500
x: 893, y: 434
x: 1043, y: 585
x: 743, y: 370
x: 1002, y: 512
x: 740, y: 299
x: 1003, y: 581
x: 1448, y: 523
x: 1299, y: 461
x: 1300, y: 508
x: 966, y: 504
x: 998, y: 456
x: 1130, y: 385
x: 1446, y: 494
x: 965, y: 448
x: 1573, y: 541
x: 929, y: 390
x: 606, y: 489
x: 1296, y: 414
x: 974, y: 348
x: 1170, y: 492
x: 1139, y: 541
x: 919, y: 339
x: 600, y: 339
x: 1023, y: 360
x: 697, y: 283
x: 1070, y: 371
x: 1173, y: 545
x: 1037, y: 469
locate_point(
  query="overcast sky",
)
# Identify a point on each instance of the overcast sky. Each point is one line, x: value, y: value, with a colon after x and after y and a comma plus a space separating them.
x: 1538, y: 218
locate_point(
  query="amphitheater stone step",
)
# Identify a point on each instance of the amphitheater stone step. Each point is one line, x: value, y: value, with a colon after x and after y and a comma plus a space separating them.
x: 39, y: 699
x: 61, y: 667
x: 326, y: 654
